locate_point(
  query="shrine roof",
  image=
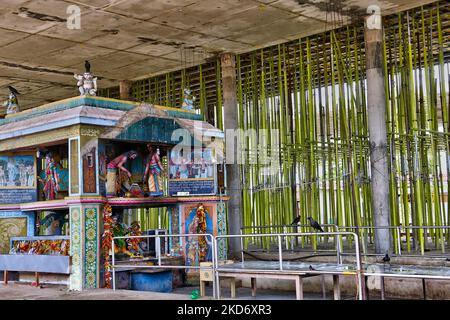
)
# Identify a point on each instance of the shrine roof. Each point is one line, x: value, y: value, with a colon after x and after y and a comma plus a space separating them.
x: 88, y: 110
x: 92, y: 101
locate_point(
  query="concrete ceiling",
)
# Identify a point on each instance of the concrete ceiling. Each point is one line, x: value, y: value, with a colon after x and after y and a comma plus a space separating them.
x: 132, y: 39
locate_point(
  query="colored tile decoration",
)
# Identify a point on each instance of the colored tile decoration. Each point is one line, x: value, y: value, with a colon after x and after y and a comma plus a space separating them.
x: 90, y: 247
x: 75, y: 249
x: 222, y: 229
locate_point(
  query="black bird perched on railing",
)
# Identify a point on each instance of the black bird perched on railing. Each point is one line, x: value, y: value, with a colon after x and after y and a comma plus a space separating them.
x: 386, y: 258
x: 296, y: 220
x: 313, y: 223
x: 311, y: 268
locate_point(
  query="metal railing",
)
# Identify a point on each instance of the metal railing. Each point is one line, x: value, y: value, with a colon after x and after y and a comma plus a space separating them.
x: 398, y: 231
x: 158, y: 255
x: 280, y: 255
x: 339, y: 248
x: 285, y: 228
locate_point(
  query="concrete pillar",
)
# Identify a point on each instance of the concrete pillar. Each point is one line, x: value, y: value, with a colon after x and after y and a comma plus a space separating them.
x: 125, y: 89
x: 228, y: 63
x: 376, y: 106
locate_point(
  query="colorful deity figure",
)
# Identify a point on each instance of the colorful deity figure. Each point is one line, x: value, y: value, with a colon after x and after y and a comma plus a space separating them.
x: 154, y: 170
x: 53, y: 223
x: 12, y: 104
x: 51, y: 180
x: 11, y: 167
x: 87, y: 83
x: 188, y: 100
x: 113, y: 181
x: 120, y: 229
x: 198, y: 248
x: 29, y: 170
x: 2, y: 177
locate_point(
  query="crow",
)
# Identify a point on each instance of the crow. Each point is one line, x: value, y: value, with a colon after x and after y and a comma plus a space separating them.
x: 296, y: 220
x: 13, y: 90
x: 87, y: 66
x: 386, y: 258
x: 311, y: 268
x: 313, y: 223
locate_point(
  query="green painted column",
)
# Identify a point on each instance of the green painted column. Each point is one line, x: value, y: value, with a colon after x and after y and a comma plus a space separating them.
x: 85, y: 233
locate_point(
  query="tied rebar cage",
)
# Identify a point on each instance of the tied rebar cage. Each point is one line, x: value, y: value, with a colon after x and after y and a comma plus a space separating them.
x: 311, y: 93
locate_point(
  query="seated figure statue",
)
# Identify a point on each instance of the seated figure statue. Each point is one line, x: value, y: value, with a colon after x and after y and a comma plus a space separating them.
x: 87, y: 83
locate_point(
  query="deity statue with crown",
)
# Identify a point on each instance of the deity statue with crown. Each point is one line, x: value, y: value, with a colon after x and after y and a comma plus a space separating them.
x: 87, y: 83
x: 12, y: 104
x: 188, y: 100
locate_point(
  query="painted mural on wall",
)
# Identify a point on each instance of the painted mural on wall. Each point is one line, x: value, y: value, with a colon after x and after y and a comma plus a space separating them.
x: 11, y: 227
x: 17, y: 171
x: 192, y: 174
x: 198, y: 248
x: 17, y: 178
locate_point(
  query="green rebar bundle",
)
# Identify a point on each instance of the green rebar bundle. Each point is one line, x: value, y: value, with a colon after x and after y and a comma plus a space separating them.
x: 308, y: 98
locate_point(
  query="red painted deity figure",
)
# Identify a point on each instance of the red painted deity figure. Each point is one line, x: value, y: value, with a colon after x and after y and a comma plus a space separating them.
x: 51, y: 182
x: 154, y: 170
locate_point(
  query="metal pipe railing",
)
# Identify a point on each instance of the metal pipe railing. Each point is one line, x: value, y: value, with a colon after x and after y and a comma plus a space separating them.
x: 280, y: 255
x: 339, y: 249
x: 158, y: 254
x: 285, y: 227
x: 398, y: 232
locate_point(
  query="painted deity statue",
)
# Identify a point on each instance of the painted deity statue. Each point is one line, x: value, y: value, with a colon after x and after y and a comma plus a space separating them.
x: 53, y: 222
x: 12, y: 104
x: 188, y: 100
x: 2, y: 177
x: 113, y: 181
x: 87, y: 83
x: 154, y: 170
x: 11, y: 167
x: 51, y: 181
x: 198, y: 248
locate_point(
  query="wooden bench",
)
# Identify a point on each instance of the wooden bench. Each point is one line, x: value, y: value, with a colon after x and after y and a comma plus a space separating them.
x: 297, y: 277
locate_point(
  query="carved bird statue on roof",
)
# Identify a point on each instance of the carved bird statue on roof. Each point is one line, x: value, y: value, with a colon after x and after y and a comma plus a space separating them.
x: 87, y: 66
x: 12, y: 104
